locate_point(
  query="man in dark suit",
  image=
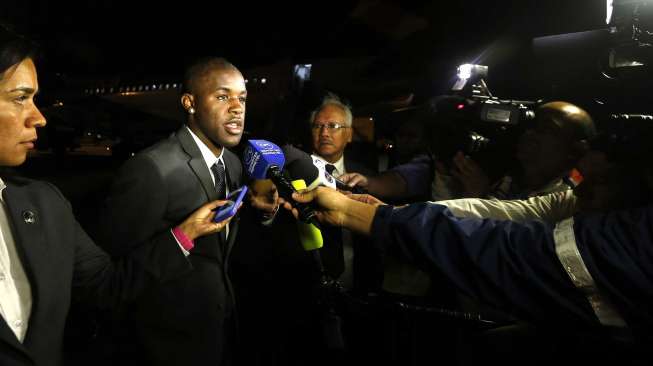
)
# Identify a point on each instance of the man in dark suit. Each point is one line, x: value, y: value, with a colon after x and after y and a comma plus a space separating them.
x: 360, y: 269
x: 46, y: 259
x: 159, y: 186
x: 331, y: 132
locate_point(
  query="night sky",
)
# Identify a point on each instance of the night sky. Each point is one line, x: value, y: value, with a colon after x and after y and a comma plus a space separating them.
x: 104, y: 37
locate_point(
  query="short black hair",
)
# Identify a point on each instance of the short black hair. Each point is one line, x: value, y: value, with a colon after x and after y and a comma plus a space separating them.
x: 14, y: 48
x: 200, y: 67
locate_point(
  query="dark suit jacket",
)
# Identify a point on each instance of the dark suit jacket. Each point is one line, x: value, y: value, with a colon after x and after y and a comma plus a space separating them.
x: 367, y: 264
x: 353, y: 166
x: 61, y: 263
x: 189, y: 320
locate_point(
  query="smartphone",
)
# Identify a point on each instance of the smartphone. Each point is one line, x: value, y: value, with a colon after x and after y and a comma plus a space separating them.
x: 231, y: 207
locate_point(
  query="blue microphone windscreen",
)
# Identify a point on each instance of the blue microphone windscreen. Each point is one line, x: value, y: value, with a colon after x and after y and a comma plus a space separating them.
x: 259, y: 156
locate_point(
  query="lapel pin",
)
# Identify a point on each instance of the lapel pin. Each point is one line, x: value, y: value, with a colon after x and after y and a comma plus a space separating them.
x: 29, y: 217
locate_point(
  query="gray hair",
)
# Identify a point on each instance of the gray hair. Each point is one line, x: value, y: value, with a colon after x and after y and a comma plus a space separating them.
x: 332, y: 99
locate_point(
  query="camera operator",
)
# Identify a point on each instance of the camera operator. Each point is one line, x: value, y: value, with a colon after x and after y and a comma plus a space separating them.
x: 546, y: 154
x: 587, y: 275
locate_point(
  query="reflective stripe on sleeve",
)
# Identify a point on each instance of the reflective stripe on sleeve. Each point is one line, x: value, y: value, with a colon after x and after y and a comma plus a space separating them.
x: 572, y: 262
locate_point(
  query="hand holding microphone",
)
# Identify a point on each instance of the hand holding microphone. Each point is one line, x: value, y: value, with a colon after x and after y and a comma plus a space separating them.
x: 264, y: 197
x: 265, y: 160
x: 365, y: 198
x: 309, y: 235
x: 336, y: 209
x: 355, y: 182
x: 312, y: 170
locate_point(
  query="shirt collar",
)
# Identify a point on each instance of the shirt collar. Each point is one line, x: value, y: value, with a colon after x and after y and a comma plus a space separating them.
x: 340, y: 164
x: 209, y: 157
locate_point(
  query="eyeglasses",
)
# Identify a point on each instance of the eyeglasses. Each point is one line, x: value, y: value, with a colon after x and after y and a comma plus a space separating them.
x: 330, y: 126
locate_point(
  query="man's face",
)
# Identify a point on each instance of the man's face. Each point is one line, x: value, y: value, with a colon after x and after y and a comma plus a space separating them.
x: 19, y: 116
x: 219, y: 102
x: 546, y: 148
x: 330, y: 144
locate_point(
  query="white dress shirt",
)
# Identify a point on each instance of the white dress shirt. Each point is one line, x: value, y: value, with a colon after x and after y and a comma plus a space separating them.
x: 15, y: 289
x: 340, y: 165
x: 210, y: 159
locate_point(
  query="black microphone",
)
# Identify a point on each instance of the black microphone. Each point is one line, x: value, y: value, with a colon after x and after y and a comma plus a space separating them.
x: 264, y: 160
x: 345, y: 187
x: 303, y: 166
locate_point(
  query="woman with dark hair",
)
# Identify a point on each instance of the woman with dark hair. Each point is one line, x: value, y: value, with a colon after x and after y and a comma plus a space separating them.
x: 46, y: 259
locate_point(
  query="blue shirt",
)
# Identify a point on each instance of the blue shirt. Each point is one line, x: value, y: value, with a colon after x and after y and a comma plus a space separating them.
x: 514, y: 266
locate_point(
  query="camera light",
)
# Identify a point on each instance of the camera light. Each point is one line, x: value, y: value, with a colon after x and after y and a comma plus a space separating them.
x: 468, y: 75
x: 465, y: 71
x: 472, y: 71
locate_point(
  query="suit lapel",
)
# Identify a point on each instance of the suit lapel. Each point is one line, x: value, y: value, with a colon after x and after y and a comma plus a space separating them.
x: 197, y: 163
x: 26, y: 224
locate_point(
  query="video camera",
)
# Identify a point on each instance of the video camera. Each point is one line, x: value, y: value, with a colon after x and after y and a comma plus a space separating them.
x: 629, y: 23
x: 478, y: 124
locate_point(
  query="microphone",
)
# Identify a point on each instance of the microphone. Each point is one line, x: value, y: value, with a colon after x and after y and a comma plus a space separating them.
x: 311, y: 239
x: 345, y: 187
x: 312, y: 169
x: 264, y: 160
x: 321, y: 166
x: 309, y: 235
x: 305, y: 170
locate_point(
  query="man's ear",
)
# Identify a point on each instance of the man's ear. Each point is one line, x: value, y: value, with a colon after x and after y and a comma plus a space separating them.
x: 188, y: 103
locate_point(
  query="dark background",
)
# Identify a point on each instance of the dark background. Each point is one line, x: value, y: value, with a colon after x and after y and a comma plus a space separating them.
x: 372, y: 52
x: 380, y: 55
x: 134, y: 39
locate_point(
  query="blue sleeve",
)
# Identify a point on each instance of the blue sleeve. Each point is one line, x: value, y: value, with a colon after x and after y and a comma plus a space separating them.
x: 510, y: 265
x: 616, y: 248
x: 417, y: 173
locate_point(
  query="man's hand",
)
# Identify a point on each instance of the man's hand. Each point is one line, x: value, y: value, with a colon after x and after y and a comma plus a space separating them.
x: 334, y: 208
x: 331, y: 204
x: 474, y: 181
x: 365, y: 198
x: 200, y: 222
x: 355, y: 180
x: 264, y: 197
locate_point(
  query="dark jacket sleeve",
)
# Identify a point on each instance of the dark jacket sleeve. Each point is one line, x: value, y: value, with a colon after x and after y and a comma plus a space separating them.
x: 616, y: 248
x: 138, y: 196
x: 510, y: 265
x: 418, y: 174
x: 105, y: 283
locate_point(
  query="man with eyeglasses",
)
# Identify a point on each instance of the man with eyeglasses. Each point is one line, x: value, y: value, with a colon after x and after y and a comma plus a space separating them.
x: 331, y: 132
